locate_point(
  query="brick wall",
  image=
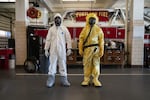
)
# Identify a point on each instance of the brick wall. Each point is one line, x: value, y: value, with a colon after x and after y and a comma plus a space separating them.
x: 20, y: 42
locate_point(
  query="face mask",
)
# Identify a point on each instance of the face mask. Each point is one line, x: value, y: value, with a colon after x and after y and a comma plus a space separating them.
x: 57, y: 21
x: 92, y: 21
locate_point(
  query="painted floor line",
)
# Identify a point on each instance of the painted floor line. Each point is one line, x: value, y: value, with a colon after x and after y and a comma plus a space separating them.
x: 134, y: 74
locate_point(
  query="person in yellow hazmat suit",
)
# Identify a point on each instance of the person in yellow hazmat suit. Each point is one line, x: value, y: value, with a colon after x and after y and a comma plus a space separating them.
x: 91, y: 47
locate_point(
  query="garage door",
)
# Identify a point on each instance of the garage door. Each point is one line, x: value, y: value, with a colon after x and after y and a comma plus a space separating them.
x: 5, y: 23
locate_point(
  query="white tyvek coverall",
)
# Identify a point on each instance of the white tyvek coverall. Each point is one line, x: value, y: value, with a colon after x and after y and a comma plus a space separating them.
x: 91, y: 55
x: 56, y: 40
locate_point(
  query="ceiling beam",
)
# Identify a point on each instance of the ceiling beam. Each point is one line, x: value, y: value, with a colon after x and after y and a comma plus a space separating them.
x: 76, y: 5
x: 147, y: 4
x: 48, y: 5
x: 110, y: 4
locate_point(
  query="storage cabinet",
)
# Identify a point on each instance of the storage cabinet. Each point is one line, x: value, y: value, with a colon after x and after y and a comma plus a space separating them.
x: 74, y: 58
x: 111, y: 57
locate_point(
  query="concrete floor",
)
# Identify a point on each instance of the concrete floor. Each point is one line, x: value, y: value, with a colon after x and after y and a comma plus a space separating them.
x: 118, y: 84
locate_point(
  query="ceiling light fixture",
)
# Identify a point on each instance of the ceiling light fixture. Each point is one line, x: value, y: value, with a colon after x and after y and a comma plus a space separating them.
x: 78, y: 0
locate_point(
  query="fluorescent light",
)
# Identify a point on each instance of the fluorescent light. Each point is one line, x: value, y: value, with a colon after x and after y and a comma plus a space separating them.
x: 7, y: 0
x: 86, y: 0
x: 12, y: 0
x: 69, y: 0
x: 78, y: 0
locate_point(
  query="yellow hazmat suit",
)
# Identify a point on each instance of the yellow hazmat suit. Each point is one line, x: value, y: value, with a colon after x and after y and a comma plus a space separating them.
x: 92, y: 50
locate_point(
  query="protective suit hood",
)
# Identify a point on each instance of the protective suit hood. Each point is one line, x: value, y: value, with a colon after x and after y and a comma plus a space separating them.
x: 58, y: 15
x: 88, y: 17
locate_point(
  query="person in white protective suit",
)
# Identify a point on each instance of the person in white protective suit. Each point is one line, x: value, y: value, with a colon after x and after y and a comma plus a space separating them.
x: 91, y: 47
x: 55, y: 47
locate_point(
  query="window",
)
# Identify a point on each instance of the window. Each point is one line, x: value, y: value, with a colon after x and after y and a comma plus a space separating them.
x: 5, y: 34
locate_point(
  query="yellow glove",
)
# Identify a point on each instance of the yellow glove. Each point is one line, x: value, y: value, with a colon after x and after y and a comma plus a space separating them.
x: 101, y: 54
x: 81, y: 52
x: 80, y: 45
